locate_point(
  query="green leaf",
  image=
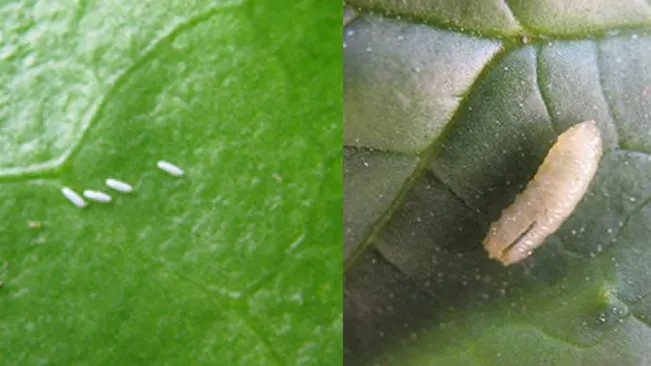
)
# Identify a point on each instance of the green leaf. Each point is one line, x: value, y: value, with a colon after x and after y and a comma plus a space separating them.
x: 452, y: 118
x: 227, y: 265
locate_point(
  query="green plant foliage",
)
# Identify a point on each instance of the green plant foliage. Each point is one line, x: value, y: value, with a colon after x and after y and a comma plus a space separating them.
x: 232, y: 264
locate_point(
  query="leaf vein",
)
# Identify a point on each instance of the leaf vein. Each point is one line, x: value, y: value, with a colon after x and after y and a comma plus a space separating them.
x: 600, y: 79
x: 148, y: 53
x: 245, y: 318
x: 543, y: 98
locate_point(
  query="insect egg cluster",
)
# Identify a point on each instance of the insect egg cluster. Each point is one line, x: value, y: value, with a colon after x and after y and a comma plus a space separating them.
x: 114, y: 184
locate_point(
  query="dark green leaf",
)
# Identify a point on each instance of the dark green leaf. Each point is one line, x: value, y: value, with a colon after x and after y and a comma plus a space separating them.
x: 477, y: 100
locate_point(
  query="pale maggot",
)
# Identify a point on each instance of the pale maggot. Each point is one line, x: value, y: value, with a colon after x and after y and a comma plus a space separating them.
x: 550, y: 197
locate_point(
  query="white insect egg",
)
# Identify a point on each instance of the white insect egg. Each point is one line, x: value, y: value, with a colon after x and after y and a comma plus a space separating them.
x: 119, y: 185
x: 73, y: 197
x: 97, y: 196
x: 169, y: 168
x: 558, y: 186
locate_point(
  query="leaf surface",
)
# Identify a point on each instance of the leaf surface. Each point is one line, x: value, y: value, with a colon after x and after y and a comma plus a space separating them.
x: 489, y: 96
x: 223, y: 266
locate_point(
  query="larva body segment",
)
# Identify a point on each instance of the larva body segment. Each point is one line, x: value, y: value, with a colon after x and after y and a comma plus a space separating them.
x: 559, y: 184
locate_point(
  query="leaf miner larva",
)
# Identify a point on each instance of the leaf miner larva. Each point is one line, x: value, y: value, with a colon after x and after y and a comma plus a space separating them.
x: 550, y: 197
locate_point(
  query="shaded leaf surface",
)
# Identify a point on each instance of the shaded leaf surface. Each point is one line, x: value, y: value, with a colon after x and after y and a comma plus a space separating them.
x: 361, y: 172
x: 423, y: 291
x: 222, y: 266
x: 513, y: 17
